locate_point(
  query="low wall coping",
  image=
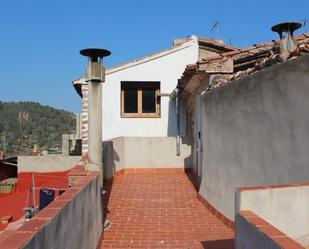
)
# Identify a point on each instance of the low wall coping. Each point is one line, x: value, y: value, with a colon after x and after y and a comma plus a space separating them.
x: 269, y: 230
x: 262, y: 187
x: 19, y: 237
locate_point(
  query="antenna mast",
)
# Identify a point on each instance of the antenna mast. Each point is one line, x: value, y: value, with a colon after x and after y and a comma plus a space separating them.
x: 215, y: 26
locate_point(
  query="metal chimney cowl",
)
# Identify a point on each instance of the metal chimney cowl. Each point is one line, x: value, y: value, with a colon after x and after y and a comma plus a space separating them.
x: 95, y: 71
x: 285, y: 31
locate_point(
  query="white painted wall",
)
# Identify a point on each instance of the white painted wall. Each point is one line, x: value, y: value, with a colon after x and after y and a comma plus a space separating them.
x: 166, y: 67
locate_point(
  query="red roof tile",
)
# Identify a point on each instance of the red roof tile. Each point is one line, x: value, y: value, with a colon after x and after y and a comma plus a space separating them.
x: 13, y: 204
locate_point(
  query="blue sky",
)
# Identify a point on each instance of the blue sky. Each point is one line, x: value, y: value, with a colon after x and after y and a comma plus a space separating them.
x: 40, y: 39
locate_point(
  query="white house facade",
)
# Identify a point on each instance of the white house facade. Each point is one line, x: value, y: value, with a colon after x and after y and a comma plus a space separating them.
x: 163, y: 70
x: 135, y: 95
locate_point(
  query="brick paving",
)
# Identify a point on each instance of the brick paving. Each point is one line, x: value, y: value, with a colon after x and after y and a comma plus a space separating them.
x: 160, y: 210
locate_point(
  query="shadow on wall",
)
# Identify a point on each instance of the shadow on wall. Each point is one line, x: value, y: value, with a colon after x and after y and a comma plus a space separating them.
x: 107, y: 187
x: 172, y: 129
x: 110, y: 157
x: 218, y: 244
x: 145, y: 152
x: 172, y: 119
x: 188, y: 161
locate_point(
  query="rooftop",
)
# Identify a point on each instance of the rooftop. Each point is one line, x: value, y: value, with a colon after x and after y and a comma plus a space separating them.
x: 228, y: 66
x: 19, y: 199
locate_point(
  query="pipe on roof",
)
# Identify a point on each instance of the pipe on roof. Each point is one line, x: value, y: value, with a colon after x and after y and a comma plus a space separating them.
x: 175, y: 95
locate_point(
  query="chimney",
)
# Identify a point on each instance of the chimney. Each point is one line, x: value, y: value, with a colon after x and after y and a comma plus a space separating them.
x: 95, y: 75
x: 285, y: 31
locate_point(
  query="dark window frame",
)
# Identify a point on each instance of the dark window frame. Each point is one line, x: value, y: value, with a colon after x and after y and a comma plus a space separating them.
x: 139, y: 86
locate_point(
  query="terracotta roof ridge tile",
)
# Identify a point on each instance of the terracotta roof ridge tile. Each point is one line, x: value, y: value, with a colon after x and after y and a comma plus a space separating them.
x: 191, y: 66
x: 215, y: 42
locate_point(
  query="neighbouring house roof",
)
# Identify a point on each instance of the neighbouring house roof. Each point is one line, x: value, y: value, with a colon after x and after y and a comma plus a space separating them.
x: 12, y: 204
x: 204, y: 43
x: 228, y: 66
x: 215, y: 45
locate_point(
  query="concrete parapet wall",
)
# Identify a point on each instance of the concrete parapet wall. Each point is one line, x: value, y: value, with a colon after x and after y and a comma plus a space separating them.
x: 256, y: 132
x: 255, y: 233
x: 144, y: 152
x: 48, y: 163
x: 73, y: 220
x: 285, y: 207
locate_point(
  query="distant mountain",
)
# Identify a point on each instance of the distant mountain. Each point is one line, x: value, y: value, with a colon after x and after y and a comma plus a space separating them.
x: 25, y: 124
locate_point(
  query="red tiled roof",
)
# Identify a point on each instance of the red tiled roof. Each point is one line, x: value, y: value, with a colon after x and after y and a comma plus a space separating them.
x: 265, y: 45
x: 13, y: 204
x: 235, y: 64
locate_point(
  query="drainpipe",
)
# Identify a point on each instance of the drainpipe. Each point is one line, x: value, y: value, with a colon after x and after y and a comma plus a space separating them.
x: 95, y: 75
x: 33, y: 192
x: 175, y: 95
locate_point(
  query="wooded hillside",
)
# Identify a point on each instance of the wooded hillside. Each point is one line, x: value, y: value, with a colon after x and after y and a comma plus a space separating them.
x: 25, y: 124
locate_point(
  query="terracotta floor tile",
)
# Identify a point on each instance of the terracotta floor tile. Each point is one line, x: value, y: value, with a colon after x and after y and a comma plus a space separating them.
x: 160, y: 210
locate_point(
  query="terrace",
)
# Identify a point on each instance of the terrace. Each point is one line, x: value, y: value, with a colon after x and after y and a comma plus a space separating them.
x: 160, y: 209
x: 147, y: 208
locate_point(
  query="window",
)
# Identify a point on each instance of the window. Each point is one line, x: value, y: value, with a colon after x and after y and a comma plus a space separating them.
x: 140, y: 99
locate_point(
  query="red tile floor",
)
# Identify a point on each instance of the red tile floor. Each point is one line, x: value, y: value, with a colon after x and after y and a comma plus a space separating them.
x: 160, y: 210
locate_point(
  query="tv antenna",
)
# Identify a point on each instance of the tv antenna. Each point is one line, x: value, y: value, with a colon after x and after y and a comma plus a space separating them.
x: 215, y: 27
x: 305, y: 22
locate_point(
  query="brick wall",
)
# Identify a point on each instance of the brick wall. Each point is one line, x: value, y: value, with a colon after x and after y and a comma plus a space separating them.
x: 84, y: 117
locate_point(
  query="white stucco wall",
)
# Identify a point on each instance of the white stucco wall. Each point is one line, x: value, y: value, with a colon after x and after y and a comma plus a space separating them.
x: 166, y: 67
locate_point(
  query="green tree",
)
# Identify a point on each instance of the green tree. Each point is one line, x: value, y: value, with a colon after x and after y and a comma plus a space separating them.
x: 43, y: 126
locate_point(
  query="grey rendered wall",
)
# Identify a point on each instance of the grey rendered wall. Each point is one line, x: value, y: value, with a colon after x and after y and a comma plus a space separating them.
x: 77, y: 225
x: 48, y: 163
x: 286, y: 208
x: 248, y: 236
x: 145, y: 152
x: 113, y: 156
x: 257, y: 132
